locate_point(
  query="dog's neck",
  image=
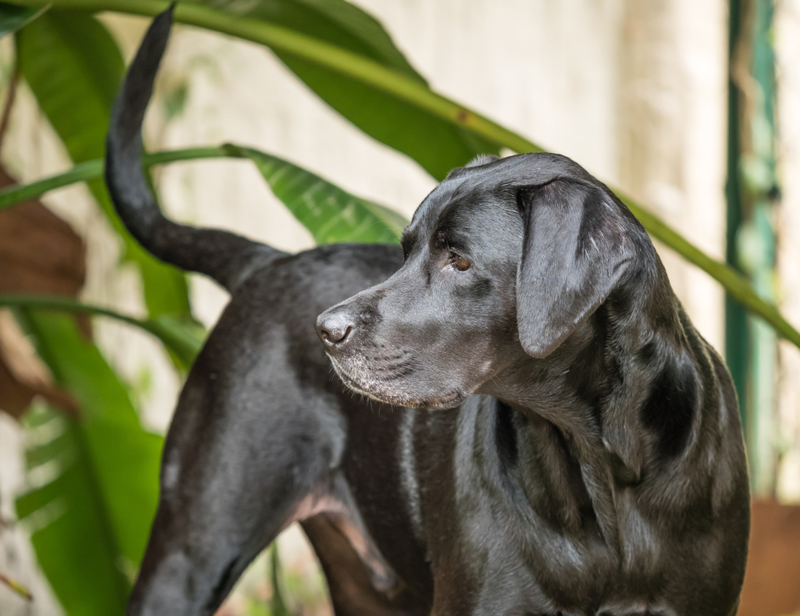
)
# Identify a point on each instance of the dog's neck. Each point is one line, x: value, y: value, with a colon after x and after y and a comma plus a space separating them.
x: 583, y: 404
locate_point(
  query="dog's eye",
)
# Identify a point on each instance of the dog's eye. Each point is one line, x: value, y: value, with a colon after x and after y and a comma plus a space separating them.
x: 462, y: 264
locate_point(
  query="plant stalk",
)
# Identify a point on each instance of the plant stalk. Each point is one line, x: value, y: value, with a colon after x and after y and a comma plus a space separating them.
x: 176, y: 337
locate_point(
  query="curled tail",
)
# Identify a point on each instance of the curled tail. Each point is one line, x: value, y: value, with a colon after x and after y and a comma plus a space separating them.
x: 226, y: 257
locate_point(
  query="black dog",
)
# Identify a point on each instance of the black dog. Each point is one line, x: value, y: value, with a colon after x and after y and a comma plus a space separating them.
x: 600, y: 470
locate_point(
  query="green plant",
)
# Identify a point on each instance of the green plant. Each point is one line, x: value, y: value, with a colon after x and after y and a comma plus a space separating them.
x: 73, y: 67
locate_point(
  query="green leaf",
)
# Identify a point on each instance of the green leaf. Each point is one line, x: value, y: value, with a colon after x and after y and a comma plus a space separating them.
x: 13, y: 17
x: 347, y: 58
x: 11, y: 195
x: 68, y: 519
x: 277, y: 603
x: 94, y: 478
x: 436, y: 144
x: 733, y: 282
x: 74, y: 68
x: 327, y: 211
x: 350, y: 65
x: 93, y: 169
x: 336, y: 22
x: 184, y: 340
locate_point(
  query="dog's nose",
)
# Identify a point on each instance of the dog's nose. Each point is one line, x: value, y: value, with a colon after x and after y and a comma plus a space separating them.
x: 334, y: 329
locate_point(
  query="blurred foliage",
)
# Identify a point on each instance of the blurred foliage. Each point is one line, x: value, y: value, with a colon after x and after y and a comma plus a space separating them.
x: 74, y: 67
x: 345, y: 27
x: 93, y: 476
x: 328, y: 212
x: 13, y: 17
x: 277, y: 603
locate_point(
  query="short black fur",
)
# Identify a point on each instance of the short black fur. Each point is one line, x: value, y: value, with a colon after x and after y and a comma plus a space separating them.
x: 671, y: 406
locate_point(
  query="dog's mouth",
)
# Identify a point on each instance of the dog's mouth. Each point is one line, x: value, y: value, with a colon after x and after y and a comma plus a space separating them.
x: 388, y: 392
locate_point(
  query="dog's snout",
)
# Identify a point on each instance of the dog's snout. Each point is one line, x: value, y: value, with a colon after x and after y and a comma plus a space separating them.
x: 334, y: 329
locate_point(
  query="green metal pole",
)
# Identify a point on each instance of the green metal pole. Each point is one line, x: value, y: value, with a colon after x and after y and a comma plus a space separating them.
x: 735, y: 316
x: 751, y: 188
x: 760, y: 180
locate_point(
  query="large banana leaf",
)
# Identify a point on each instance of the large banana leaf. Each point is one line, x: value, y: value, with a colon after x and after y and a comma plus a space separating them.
x: 337, y: 22
x: 436, y: 144
x: 439, y: 139
x: 74, y: 68
x: 13, y: 17
x: 93, y: 478
x: 327, y: 211
x: 68, y: 518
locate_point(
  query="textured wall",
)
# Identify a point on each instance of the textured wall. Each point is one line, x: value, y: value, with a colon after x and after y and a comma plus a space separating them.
x: 787, y: 45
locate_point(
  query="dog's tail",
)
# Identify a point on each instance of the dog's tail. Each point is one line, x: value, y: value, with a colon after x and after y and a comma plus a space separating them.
x: 224, y: 256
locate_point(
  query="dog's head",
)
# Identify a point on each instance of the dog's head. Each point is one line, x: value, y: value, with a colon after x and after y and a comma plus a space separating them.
x: 503, y: 260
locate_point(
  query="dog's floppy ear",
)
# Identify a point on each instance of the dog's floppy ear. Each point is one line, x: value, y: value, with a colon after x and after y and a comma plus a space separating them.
x: 575, y: 248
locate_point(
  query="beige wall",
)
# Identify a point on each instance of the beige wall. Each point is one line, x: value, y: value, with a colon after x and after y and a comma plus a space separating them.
x: 787, y: 428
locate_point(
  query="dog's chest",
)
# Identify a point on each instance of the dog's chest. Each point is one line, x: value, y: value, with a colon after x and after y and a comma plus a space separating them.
x: 493, y: 553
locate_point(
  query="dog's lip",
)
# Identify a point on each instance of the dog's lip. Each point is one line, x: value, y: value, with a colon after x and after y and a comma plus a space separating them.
x: 447, y: 401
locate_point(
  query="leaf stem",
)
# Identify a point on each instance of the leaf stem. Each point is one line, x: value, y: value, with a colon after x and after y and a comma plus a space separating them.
x: 93, y: 169
x: 734, y: 283
x: 177, y: 337
x: 18, y: 588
